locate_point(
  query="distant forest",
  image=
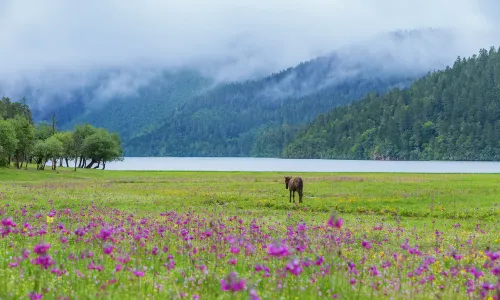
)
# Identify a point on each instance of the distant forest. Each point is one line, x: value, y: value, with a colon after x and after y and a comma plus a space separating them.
x: 452, y: 114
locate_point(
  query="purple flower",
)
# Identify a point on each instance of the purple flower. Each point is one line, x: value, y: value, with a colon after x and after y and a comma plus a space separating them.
x: 253, y: 295
x: 319, y: 260
x: 138, y: 273
x: 105, y: 234
x: 366, y: 244
x: 488, y: 286
x: 45, y: 261
x: 108, y: 249
x: 232, y: 283
x: 35, y: 296
x: 374, y: 271
x: 496, y: 271
x: 334, y: 222
x: 493, y: 255
x: 277, y: 249
x: 8, y: 222
x: 41, y: 248
x: 294, y: 267
x: 477, y: 273
x: 235, y: 249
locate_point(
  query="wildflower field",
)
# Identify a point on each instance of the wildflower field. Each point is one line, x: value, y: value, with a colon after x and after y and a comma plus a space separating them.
x: 95, y: 234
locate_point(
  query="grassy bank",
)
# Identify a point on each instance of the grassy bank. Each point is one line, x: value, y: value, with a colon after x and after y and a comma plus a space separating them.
x: 407, y: 195
x: 203, y: 217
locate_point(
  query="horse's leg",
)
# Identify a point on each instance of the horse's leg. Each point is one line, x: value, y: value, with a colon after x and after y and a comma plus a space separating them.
x: 300, y: 196
x: 290, y: 196
x: 293, y: 196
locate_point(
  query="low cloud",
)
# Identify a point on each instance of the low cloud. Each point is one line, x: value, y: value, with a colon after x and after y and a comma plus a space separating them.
x: 58, y: 46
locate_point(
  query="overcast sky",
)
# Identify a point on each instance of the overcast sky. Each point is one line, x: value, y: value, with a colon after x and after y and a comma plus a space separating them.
x: 61, y: 34
x: 246, y: 37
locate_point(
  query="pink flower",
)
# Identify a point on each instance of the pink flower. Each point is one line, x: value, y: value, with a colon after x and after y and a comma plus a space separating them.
x: 493, y: 255
x: 319, y: 260
x: 253, y: 295
x: 366, y: 244
x: 105, y: 234
x: 41, y: 248
x: 496, y: 271
x: 277, y: 249
x: 35, y: 296
x: 108, y: 249
x: 232, y: 283
x: 334, y: 222
x: 45, y: 261
x: 8, y: 222
x: 235, y: 249
x: 294, y: 267
x: 138, y: 273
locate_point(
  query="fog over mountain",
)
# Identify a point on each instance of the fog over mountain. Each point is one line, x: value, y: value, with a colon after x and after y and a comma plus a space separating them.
x: 53, y: 49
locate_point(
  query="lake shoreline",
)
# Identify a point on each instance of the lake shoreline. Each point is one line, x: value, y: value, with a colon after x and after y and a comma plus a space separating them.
x: 254, y: 164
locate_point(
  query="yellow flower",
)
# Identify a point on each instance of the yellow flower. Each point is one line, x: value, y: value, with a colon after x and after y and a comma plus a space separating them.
x: 25, y: 229
x: 50, y: 219
x: 381, y: 253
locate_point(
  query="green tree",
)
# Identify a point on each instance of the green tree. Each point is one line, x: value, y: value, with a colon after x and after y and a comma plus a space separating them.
x: 47, y: 150
x: 8, y: 142
x: 102, y: 147
x: 69, y: 146
x: 25, y: 134
x: 447, y: 115
x: 80, y: 133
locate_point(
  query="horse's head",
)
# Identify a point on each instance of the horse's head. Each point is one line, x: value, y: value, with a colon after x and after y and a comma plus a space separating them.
x: 287, y: 181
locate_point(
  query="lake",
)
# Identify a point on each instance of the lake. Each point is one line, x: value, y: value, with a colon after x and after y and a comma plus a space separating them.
x: 298, y: 165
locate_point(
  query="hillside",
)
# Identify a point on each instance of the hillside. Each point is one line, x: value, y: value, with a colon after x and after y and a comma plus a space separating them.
x: 184, y: 113
x: 258, y: 118
x: 238, y: 120
x: 130, y: 114
x: 452, y: 114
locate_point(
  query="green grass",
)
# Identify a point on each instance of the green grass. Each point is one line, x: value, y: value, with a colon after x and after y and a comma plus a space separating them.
x: 419, y: 196
x: 416, y: 204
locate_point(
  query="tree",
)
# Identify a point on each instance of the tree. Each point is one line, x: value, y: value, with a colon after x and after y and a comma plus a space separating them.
x: 69, y: 147
x: 43, y: 131
x: 448, y: 115
x: 25, y: 134
x: 8, y: 142
x: 48, y: 149
x: 102, y: 147
x: 81, y: 132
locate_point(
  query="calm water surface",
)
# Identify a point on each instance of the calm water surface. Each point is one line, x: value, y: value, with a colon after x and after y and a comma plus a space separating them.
x: 298, y: 165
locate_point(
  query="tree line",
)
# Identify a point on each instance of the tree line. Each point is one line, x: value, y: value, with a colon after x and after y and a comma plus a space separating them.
x: 453, y: 114
x: 22, y: 142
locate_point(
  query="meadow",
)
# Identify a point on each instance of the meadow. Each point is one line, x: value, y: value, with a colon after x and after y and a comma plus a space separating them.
x: 234, y: 235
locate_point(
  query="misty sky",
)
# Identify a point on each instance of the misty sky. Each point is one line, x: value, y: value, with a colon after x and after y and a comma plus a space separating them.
x: 61, y: 34
x: 235, y: 38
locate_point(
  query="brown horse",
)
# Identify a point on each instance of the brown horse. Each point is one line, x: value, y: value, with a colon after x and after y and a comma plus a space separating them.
x: 294, y: 184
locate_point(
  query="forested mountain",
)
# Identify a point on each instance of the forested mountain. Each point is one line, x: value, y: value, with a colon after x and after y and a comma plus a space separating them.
x: 240, y: 119
x: 452, y: 114
x: 183, y: 113
x: 131, y: 114
x: 258, y: 118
